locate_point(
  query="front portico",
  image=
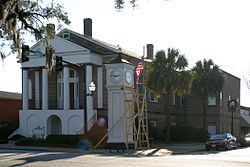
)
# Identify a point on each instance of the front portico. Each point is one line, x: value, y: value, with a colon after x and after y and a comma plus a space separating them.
x: 57, y: 102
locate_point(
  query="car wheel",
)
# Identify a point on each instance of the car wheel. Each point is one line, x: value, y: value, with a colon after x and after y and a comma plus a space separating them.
x: 226, y: 146
x: 235, y: 146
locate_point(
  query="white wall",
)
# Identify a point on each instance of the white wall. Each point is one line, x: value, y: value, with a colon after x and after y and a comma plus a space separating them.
x: 72, y: 121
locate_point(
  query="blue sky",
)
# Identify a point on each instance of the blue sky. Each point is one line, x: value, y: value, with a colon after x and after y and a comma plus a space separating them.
x: 216, y: 29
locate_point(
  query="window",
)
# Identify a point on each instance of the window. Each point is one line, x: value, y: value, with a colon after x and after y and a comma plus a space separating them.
x: 221, y: 99
x: 66, y: 35
x: 29, y: 89
x: 211, y: 100
x: 152, y: 97
x: 152, y: 124
x: 74, y: 89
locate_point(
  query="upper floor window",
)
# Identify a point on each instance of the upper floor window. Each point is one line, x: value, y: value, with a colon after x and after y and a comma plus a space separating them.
x: 211, y: 101
x: 152, y: 97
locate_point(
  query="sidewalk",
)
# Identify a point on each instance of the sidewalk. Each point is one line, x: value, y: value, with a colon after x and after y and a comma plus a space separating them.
x: 157, y: 150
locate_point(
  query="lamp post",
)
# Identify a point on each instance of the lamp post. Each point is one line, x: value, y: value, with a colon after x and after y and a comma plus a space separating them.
x: 232, y: 105
x: 92, y: 88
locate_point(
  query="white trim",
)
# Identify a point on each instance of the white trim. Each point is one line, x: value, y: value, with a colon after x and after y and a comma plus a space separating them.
x: 25, y: 90
x: 100, y: 86
x: 211, y: 100
x: 37, y: 92
x: 66, y: 88
x: 152, y: 99
x: 45, y: 90
x: 74, y: 57
x: 89, y: 74
x: 29, y: 89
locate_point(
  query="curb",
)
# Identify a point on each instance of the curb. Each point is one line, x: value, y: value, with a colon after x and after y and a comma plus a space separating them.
x: 160, y: 151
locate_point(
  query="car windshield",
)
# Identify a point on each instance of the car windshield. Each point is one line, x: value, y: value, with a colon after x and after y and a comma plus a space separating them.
x: 219, y: 136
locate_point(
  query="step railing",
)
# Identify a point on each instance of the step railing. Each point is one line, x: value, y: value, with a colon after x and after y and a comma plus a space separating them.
x: 92, y: 120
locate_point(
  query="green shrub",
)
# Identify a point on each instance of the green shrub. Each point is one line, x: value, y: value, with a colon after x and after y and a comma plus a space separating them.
x: 30, y: 141
x: 63, y: 139
x: 188, y: 134
x: 157, y: 134
x: 3, y: 131
x: 7, y: 129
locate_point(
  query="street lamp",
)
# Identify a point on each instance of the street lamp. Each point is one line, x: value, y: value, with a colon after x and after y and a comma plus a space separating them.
x: 92, y: 88
x: 232, y: 105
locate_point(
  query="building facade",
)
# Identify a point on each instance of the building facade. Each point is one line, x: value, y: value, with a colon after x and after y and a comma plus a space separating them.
x: 56, y: 103
x: 187, y: 110
x: 61, y: 102
x: 10, y: 104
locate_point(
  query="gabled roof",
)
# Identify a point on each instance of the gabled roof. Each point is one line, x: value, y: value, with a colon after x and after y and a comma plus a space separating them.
x: 10, y: 95
x: 96, y: 46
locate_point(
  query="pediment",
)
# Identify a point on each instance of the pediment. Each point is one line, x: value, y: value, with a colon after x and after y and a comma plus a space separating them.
x: 60, y: 45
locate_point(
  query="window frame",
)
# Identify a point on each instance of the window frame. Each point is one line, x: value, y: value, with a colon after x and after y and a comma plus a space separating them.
x: 211, y: 103
x: 154, y: 100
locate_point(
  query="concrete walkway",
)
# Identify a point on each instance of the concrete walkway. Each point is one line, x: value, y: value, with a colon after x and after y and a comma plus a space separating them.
x: 156, y: 150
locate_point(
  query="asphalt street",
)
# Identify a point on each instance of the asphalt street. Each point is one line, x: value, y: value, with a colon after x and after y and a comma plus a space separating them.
x: 231, y: 158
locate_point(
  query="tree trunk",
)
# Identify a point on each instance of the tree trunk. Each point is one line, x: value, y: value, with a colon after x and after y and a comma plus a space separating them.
x: 204, y: 105
x: 167, y: 98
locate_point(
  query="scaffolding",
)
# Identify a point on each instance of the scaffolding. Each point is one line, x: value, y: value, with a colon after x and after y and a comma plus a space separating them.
x: 141, y: 117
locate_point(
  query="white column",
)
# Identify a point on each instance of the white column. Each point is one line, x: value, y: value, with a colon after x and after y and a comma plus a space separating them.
x: 89, y: 98
x: 45, y: 90
x: 66, y: 88
x: 25, y: 90
x: 100, y: 86
x: 37, y: 90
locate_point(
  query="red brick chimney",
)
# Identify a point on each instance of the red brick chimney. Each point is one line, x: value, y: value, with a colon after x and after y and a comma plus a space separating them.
x: 150, y: 51
x: 87, y: 22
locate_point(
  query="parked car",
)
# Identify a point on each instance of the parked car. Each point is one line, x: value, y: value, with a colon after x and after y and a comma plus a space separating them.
x: 221, y: 141
x: 245, y: 140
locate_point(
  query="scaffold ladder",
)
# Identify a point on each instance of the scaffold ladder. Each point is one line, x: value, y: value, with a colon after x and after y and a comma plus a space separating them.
x: 142, y: 119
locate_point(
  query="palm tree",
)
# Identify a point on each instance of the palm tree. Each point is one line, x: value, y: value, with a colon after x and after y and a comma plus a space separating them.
x: 208, y: 80
x: 166, y: 75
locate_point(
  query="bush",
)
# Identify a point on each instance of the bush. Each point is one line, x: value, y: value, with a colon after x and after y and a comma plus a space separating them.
x: 188, y: 134
x: 30, y: 141
x: 72, y: 140
x: 3, y: 131
x: 7, y: 129
x: 156, y: 134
